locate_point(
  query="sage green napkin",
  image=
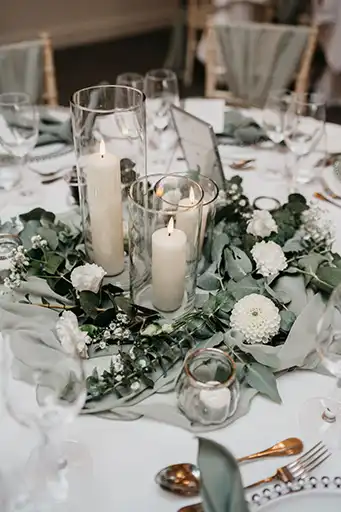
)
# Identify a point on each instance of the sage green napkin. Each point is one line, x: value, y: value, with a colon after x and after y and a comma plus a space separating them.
x: 243, y: 129
x: 38, y: 324
x: 221, y: 483
x: 53, y: 131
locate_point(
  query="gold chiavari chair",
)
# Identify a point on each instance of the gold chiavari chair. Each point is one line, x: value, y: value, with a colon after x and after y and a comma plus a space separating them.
x: 28, y: 66
x: 297, y: 53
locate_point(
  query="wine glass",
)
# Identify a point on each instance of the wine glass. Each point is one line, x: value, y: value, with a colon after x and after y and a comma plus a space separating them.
x: 273, y: 114
x: 161, y: 90
x: 321, y: 417
x: 134, y: 80
x: 303, y: 128
x: 18, y: 135
x: 44, y: 389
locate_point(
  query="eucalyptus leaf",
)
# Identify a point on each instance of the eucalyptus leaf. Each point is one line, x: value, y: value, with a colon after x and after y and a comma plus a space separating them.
x: 245, y: 286
x: 52, y: 262
x: 310, y: 264
x: 280, y: 295
x: 89, y: 301
x: 50, y: 236
x: 287, y: 320
x: 30, y: 229
x: 208, y: 281
x: 221, y: 483
x: 237, y: 263
x: 218, y: 245
x: 328, y: 278
x: 293, y: 245
x: 263, y: 380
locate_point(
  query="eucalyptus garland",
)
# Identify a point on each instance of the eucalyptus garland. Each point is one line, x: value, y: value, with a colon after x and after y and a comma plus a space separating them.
x: 249, y: 253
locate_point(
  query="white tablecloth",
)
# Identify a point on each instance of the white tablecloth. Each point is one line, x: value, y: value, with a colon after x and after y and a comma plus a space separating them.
x: 126, y: 455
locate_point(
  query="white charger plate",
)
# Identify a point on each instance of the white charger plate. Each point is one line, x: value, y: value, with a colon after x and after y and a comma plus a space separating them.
x: 332, y: 180
x: 311, y: 495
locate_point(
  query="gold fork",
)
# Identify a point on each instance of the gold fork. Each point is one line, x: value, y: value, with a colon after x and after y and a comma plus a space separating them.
x: 300, y: 468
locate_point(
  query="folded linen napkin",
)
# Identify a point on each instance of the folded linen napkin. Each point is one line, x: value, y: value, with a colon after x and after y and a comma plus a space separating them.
x: 243, y: 129
x: 221, y: 483
x: 52, y: 130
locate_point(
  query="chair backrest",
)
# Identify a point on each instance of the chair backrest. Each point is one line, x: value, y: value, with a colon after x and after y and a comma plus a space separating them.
x: 28, y: 67
x: 258, y: 57
x: 197, y: 12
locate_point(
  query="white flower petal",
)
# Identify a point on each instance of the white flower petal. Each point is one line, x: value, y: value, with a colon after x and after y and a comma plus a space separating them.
x: 269, y: 258
x: 256, y: 317
x: 87, y: 277
x: 261, y: 224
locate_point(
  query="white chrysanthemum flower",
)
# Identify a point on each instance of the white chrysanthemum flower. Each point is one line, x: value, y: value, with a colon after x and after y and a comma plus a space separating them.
x: 87, y: 277
x: 269, y: 258
x: 135, y: 386
x: 256, y: 318
x: 261, y: 224
x: 316, y: 225
x: 70, y: 336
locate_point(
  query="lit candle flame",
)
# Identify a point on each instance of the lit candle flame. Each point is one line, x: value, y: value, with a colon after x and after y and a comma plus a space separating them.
x: 159, y: 191
x: 170, y: 227
x: 102, y: 148
x: 191, y: 195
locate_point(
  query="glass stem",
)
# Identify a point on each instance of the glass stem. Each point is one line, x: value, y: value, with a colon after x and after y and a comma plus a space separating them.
x: 329, y: 414
x: 294, y: 174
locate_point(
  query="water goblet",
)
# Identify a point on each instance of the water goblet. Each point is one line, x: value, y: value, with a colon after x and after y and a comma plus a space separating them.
x: 18, y: 136
x: 43, y: 389
x: 303, y: 129
x: 321, y: 417
x: 134, y: 80
x: 161, y: 90
x: 273, y: 114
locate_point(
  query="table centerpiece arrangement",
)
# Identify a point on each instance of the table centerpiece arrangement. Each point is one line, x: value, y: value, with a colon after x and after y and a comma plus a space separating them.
x: 262, y: 278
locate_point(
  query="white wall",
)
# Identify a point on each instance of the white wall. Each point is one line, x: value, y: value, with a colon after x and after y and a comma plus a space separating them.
x: 81, y: 21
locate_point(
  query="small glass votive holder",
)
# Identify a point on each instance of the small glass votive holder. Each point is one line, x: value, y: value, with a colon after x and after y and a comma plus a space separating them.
x: 109, y: 134
x: 207, y: 388
x: 165, y: 215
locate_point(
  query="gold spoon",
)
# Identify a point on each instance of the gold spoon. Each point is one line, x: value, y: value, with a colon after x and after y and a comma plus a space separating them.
x: 322, y: 197
x: 184, y: 479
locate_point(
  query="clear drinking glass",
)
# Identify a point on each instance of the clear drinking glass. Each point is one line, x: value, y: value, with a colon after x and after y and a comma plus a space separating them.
x: 161, y: 90
x: 44, y: 390
x: 273, y: 115
x: 19, y: 129
x: 303, y: 128
x: 321, y: 417
x: 131, y: 80
x: 110, y: 143
x: 165, y: 214
x: 207, y: 388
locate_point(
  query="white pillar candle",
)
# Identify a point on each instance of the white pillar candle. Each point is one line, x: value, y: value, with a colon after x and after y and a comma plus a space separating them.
x: 103, y: 175
x: 187, y: 218
x: 216, y: 399
x: 168, y: 267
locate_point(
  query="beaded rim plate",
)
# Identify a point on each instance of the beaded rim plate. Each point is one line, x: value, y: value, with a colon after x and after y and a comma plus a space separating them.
x: 309, y: 494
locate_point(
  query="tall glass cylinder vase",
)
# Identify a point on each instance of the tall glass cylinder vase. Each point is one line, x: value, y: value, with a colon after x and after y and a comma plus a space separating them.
x: 109, y: 133
x: 165, y: 214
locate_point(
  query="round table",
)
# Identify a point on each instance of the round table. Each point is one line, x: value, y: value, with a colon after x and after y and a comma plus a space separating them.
x: 127, y: 455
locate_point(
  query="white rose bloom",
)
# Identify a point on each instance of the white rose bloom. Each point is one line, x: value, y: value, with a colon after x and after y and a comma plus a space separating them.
x: 261, y: 224
x: 256, y: 317
x: 87, y: 277
x: 70, y: 336
x: 269, y: 258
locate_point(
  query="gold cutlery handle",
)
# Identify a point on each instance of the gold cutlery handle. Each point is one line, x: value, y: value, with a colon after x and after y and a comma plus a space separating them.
x: 260, y: 482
